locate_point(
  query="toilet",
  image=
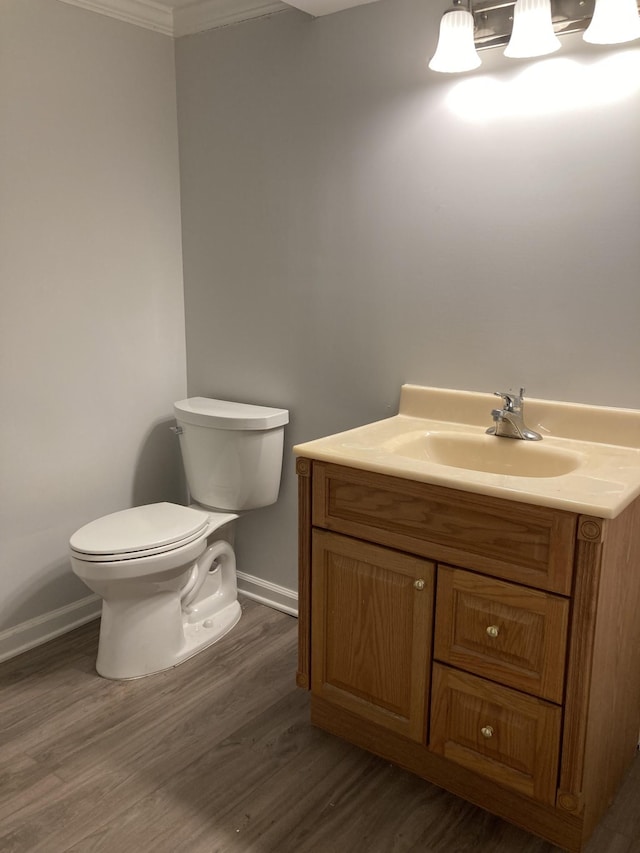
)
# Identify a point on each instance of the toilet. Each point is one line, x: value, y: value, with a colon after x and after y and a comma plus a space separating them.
x: 166, y: 573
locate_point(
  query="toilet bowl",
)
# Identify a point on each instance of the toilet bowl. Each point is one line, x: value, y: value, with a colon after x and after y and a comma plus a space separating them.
x: 167, y: 573
x: 152, y: 618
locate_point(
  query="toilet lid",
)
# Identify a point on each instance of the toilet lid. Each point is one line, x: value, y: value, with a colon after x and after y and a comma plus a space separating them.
x: 141, y: 531
x: 223, y: 414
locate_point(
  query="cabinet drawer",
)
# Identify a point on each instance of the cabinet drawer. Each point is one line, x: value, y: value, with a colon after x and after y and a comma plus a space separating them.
x: 502, y: 631
x: 528, y: 544
x: 496, y: 732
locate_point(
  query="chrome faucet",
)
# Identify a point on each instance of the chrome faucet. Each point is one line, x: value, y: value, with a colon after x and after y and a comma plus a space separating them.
x: 509, y: 420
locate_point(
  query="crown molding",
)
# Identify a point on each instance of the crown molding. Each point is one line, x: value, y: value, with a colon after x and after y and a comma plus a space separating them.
x: 176, y: 20
x: 208, y: 14
x: 143, y: 13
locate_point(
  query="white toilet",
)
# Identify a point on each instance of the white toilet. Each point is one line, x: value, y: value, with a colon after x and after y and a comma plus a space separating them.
x: 166, y: 573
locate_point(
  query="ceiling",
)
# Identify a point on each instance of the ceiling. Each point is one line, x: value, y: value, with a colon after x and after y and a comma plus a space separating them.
x: 184, y: 17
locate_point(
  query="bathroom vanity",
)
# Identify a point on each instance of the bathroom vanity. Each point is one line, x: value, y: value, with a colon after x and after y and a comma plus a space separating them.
x: 470, y: 605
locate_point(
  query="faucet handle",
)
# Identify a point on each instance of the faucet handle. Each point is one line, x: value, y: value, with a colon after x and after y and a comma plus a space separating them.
x: 512, y: 401
x: 508, y: 398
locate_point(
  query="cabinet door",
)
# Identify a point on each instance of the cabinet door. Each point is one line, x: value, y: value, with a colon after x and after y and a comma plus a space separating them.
x: 371, y: 627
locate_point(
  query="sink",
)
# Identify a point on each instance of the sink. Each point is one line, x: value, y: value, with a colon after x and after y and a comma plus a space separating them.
x: 487, y: 453
x: 588, y: 461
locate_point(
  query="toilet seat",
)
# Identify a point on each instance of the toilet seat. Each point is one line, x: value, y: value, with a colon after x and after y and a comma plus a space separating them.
x: 143, y: 531
x: 138, y: 569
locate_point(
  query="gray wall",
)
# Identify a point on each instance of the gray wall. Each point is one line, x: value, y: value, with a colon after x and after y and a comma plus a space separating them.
x: 345, y: 230
x: 92, y: 347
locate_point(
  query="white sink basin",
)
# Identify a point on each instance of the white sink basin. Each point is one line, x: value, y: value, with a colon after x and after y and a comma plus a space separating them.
x: 487, y: 453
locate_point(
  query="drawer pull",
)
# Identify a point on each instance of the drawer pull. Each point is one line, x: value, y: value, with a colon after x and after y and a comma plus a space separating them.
x: 493, y: 631
x: 419, y: 584
x: 486, y: 731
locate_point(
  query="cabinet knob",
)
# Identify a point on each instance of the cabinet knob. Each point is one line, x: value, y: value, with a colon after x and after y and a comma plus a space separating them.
x: 419, y: 584
x: 493, y: 631
x: 486, y: 731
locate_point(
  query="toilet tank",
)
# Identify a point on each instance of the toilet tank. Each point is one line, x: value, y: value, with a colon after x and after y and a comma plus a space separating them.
x: 232, y: 452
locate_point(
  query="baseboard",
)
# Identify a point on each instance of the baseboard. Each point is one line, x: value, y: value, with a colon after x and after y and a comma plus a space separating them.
x: 43, y: 628
x: 278, y: 597
x: 36, y: 631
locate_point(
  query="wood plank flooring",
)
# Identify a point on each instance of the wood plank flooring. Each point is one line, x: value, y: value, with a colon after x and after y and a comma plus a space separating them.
x: 217, y: 756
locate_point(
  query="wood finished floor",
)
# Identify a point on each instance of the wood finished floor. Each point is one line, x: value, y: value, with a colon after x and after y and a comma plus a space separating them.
x: 217, y: 756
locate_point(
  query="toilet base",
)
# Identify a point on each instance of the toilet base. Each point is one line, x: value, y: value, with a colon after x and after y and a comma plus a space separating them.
x: 197, y: 636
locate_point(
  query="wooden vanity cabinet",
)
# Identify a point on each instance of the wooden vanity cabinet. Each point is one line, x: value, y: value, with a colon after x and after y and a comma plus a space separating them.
x: 489, y: 646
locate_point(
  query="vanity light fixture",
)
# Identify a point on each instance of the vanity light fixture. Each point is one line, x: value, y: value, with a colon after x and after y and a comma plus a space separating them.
x: 456, y: 50
x: 528, y: 28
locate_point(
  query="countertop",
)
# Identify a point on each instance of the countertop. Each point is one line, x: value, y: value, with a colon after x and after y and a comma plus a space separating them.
x: 604, y: 441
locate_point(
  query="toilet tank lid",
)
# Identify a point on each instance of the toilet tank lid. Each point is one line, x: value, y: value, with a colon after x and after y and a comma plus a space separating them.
x: 223, y: 414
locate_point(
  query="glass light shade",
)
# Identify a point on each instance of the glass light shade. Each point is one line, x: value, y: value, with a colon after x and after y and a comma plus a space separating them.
x: 456, y: 49
x: 532, y: 33
x: 613, y: 22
